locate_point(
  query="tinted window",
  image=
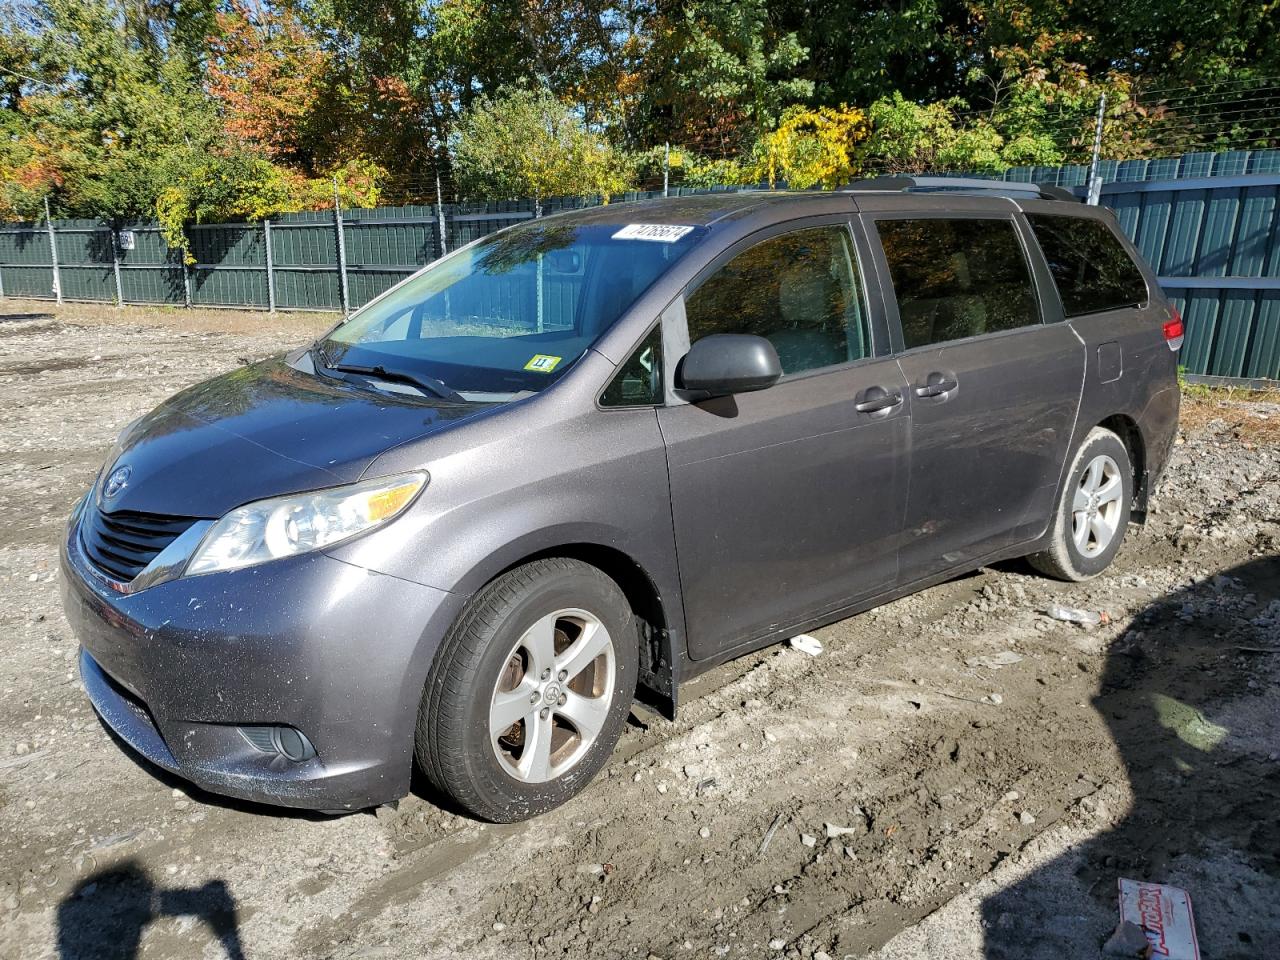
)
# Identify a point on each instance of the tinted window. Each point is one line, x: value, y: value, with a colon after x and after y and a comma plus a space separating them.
x: 799, y: 290
x: 638, y: 382
x: 513, y: 312
x: 1090, y: 267
x: 957, y: 278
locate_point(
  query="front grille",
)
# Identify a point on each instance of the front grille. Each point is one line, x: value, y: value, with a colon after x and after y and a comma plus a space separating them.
x: 121, y: 544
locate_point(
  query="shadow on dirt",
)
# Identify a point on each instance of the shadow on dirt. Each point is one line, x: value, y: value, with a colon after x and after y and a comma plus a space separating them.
x: 23, y: 317
x: 1188, y: 695
x: 105, y: 916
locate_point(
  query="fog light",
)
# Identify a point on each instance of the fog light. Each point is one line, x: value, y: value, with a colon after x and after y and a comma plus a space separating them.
x: 281, y: 741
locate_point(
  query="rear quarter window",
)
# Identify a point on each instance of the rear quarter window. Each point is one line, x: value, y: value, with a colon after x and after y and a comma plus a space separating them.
x: 1091, y: 268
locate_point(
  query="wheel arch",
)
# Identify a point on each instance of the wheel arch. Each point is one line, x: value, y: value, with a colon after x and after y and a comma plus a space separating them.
x: 654, y: 615
x: 1130, y: 434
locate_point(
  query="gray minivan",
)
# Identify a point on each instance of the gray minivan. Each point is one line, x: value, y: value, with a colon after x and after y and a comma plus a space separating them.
x: 595, y: 454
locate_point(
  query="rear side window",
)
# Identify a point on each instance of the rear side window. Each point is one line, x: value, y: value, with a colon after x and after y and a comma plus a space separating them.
x: 1091, y: 269
x: 800, y: 291
x: 957, y: 278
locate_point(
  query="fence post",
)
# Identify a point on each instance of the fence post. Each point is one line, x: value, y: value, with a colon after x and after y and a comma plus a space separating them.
x: 53, y: 253
x: 444, y: 240
x: 271, y: 273
x: 115, y: 267
x: 666, y: 168
x: 342, y: 250
x: 1095, y: 181
x: 186, y: 276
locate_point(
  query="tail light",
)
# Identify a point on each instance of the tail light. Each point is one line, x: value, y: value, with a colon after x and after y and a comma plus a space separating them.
x: 1173, y: 329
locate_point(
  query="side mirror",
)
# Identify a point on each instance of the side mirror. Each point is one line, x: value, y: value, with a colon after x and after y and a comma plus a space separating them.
x: 726, y: 363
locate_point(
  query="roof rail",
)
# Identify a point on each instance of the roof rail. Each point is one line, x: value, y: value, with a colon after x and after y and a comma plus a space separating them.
x: 999, y: 188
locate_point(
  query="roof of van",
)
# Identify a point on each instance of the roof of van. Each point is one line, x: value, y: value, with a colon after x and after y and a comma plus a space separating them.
x: 699, y: 210
x: 710, y: 208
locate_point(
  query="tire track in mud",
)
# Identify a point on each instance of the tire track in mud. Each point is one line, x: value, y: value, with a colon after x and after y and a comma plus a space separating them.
x: 884, y: 789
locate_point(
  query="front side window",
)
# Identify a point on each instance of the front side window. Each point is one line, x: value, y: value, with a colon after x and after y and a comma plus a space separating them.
x: 509, y: 315
x: 800, y: 291
x: 1091, y: 269
x: 957, y: 278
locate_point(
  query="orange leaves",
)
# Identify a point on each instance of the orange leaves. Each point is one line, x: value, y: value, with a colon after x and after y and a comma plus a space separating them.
x: 265, y: 71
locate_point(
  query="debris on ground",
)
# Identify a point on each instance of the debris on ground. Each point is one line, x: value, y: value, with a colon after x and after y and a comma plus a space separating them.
x: 1086, y: 618
x: 768, y: 834
x: 1163, y: 914
x: 1127, y: 940
x: 807, y: 644
x: 994, y: 661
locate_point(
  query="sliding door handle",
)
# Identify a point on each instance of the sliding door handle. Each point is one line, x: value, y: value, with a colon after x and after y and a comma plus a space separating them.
x: 936, y: 388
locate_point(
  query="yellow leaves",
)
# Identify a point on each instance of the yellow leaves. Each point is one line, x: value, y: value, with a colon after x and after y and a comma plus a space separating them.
x: 527, y: 143
x: 813, y: 146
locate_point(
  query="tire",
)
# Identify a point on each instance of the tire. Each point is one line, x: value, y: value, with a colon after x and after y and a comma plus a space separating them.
x: 517, y: 639
x: 1077, y: 549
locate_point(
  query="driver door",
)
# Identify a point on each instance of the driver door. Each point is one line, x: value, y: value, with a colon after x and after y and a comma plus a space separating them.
x: 787, y: 502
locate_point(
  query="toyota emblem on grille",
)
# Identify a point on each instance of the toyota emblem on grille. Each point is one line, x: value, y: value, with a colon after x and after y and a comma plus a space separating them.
x: 118, y: 480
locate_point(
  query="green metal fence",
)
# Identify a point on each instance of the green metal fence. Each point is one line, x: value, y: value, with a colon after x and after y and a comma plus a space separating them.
x: 1208, y: 222
x: 1215, y: 244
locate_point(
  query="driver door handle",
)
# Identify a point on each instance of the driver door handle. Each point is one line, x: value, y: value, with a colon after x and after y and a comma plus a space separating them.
x: 882, y: 402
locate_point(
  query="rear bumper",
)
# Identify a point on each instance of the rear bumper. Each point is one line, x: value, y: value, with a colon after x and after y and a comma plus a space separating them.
x: 311, y: 642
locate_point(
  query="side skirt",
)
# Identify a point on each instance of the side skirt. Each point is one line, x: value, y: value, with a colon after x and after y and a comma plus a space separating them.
x: 685, y: 669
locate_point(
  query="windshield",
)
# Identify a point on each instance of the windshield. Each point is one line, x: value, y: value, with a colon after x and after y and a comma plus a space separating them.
x: 510, y: 314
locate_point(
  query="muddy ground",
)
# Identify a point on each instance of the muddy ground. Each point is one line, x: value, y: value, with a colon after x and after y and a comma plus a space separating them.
x: 957, y: 776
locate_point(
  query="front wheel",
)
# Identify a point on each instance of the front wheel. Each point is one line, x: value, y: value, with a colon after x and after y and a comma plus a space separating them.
x: 1093, y: 512
x: 529, y: 691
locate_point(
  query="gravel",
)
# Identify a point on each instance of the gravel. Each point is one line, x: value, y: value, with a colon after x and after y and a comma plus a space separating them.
x: 1140, y: 744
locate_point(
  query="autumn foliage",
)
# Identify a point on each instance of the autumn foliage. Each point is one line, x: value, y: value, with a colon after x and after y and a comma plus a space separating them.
x: 215, y: 109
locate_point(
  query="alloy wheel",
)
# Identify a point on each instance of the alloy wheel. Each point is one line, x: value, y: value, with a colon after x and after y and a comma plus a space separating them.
x: 1096, y: 506
x: 552, y: 696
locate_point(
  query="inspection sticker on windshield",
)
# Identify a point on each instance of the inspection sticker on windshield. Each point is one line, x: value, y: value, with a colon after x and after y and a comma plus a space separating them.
x: 542, y: 363
x: 661, y: 232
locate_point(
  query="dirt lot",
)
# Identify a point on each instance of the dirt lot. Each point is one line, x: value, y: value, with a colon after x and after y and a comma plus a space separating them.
x: 957, y: 776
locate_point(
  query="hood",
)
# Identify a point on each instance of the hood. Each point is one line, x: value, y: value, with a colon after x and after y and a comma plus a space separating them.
x: 261, y: 431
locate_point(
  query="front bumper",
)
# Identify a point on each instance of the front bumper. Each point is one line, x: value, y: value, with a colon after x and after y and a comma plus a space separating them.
x: 336, y: 651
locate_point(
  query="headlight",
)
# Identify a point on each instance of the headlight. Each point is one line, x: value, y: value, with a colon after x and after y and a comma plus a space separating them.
x: 285, y: 526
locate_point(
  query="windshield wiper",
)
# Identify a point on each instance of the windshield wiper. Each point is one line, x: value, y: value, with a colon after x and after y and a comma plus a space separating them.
x: 421, y: 381
x: 318, y: 355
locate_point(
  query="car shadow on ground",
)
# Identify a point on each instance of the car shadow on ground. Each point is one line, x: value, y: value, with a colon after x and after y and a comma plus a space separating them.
x: 1189, y: 695
x: 106, y: 915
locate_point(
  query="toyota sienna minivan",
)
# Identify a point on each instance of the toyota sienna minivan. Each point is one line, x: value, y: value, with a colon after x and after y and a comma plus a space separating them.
x: 595, y: 454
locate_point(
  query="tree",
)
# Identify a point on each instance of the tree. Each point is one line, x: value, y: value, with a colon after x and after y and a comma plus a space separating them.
x: 265, y: 73
x: 716, y: 74
x: 813, y: 147
x: 862, y: 50
x: 908, y: 138
x: 526, y: 143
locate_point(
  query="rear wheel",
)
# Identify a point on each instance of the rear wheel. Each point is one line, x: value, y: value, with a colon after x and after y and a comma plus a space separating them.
x: 530, y: 691
x: 1093, y: 512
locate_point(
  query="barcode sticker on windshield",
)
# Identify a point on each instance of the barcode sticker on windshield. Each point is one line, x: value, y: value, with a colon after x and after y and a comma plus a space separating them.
x: 661, y: 232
